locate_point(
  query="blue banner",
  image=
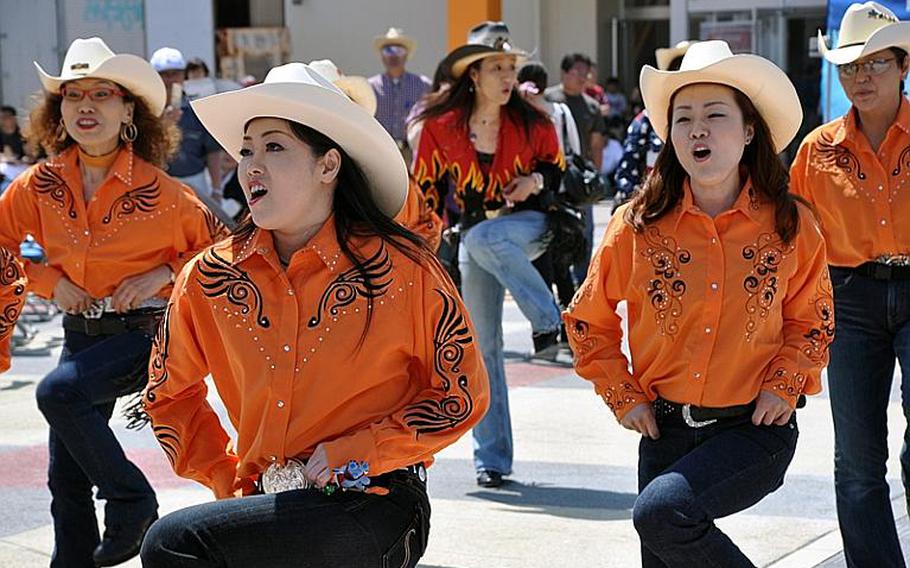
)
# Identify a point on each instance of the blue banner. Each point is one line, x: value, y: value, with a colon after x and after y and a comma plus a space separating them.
x: 834, y: 102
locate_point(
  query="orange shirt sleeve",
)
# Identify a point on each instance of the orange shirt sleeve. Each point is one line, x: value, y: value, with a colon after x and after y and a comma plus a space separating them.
x: 429, y: 171
x: 419, y: 217
x: 452, y: 391
x: 12, y: 296
x: 19, y: 217
x: 808, y: 317
x: 187, y: 428
x: 200, y: 228
x: 799, y: 172
x: 595, y: 330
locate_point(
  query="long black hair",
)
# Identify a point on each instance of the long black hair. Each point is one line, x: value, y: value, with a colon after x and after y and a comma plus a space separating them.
x: 356, y: 215
x: 461, y: 96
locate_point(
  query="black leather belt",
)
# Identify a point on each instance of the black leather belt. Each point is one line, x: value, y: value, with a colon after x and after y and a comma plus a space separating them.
x: 698, y: 416
x: 114, y: 324
x: 879, y: 271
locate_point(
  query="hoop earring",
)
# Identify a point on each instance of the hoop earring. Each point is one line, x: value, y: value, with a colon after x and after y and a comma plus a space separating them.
x: 61, y: 131
x: 128, y: 132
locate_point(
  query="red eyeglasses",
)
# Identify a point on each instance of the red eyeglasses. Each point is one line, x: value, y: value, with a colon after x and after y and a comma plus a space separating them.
x: 97, y: 94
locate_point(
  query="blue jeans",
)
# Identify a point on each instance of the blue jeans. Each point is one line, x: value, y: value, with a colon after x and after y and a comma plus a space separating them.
x: 692, y: 476
x: 77, y: 399
x: 872, y: 330
x: 496, y: 255
x: 299, y: 529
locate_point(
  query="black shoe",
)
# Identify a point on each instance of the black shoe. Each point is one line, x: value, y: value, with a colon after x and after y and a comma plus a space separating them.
x: 489, y: 478
x: 122, y: 542
x: 546, y: 345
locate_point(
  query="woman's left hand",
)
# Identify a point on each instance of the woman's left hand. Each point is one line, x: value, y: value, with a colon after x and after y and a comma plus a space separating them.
x: 317, y: 468
x: 771, y: 409
x: 136, y: 289
x: 520, y: 188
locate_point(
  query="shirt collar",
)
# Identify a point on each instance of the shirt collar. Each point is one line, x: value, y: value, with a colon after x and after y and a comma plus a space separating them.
x: 259, y: 241
x: 746, y: 202
x: 848, y: 129
x: 122, y: 168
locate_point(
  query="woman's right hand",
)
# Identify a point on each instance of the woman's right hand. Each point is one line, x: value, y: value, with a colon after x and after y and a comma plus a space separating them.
x: 641, y: 419
x: 71, y: 298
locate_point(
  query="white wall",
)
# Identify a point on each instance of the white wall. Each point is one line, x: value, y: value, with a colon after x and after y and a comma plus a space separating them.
x: 121, y: 24
x: 28, y: 32
x: 343, y: 31
x: 567, y: 27
x: 187, y: 25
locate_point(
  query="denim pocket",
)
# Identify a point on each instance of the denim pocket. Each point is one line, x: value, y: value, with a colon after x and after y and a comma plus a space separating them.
x: 409, y: 548
x: 841, y: 278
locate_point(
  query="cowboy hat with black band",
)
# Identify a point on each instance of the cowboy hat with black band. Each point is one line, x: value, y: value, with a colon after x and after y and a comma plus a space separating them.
x: 763, y: 82
x: 487, y: 39
x: 865, y: 29
x: 298, y: 93
x: 92, y: 59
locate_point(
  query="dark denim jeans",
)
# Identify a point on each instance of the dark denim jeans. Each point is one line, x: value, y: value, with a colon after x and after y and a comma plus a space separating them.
x: 299, y: 529
x: 872, y: 330
x: 692, y: 476
x: 77, y: 399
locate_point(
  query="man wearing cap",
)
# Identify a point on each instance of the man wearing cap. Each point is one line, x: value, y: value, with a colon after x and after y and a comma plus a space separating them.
x: 396, y: 90
x: 198, y: 150
x: 855, y: 171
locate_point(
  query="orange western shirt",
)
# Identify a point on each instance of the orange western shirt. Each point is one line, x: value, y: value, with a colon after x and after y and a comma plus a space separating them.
x: 862, y: 196
x: 12, y: 296
x: 718, y: 309
x: 138, y: 219
x: 417, y: 216
x: 288, y: 352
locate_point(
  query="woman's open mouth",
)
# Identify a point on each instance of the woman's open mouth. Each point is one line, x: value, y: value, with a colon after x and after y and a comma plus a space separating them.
x: 257, y: 192
x: 86, y: 123
x: 701, y: 153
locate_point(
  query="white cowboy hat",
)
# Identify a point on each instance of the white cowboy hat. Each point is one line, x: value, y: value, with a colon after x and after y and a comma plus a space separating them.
x: 486, y: 39
x: 354, y: 86
x: 168, y: 59
x: 763, y: 82
x: 298, y: 93
x: 395, y: 36
x: 92, y: 59
x: 666, y: 55
x: 865, y: 29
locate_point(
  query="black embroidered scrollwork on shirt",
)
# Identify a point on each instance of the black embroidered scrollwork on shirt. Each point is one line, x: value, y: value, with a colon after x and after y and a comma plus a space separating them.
x: 370, y: 282
x: 168, y: 440
x: 158, y: 364
x: 221, y: 278
x: 51, y: 184
x: 832, y: 157
x: 903, y: 162
x: 819, y: 338
x: 10, y: 273
x: 449, y: 341
x: 667, y: 287
x: 144, y: 198
x: 763, y: 283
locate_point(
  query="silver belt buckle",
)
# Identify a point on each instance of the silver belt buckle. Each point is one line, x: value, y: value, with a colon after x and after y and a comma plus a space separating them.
x: 288, y: 476
x: 95, y: 310
x: 691, y: 422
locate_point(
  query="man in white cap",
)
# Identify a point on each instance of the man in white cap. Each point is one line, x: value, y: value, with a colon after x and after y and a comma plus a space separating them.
x: 396, y: 89
x: 198, y: 150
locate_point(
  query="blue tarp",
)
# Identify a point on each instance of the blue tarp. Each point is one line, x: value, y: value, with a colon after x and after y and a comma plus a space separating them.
x: 834, y: 102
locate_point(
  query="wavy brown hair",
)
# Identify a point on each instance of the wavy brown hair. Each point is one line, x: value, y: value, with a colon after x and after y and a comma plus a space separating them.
x: 663, y: 189
x: 156, y: 143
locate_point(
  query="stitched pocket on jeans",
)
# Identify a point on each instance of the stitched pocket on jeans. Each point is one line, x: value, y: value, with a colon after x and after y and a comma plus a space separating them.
x: 408, y: 549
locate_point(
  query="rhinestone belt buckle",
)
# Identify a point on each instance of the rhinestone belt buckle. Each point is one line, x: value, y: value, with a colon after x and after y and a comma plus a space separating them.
x: 691, y: 422
x: 284, y: 477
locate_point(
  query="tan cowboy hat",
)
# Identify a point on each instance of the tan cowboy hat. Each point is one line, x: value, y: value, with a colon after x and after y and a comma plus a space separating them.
x: 865, y: 29
x: 769, y: 88
x: 666, y: 55
x: 354, y: 86
x: 395, y: 36
x: 297, y: 92
x: 486, y: 39
x: 92, y: 59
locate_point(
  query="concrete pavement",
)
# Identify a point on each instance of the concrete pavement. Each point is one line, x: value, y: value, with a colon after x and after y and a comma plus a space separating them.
x: 568, y: 503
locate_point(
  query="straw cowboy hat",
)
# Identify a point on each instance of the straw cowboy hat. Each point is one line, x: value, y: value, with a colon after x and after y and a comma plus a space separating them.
x: 395, y: 36
x: 299, y: 93
x: 763, y: 82
x: 92, y: 59
x: 865, y: 29
x: 484, y: 40
x: 354, y: 86
x: 666, y: 55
